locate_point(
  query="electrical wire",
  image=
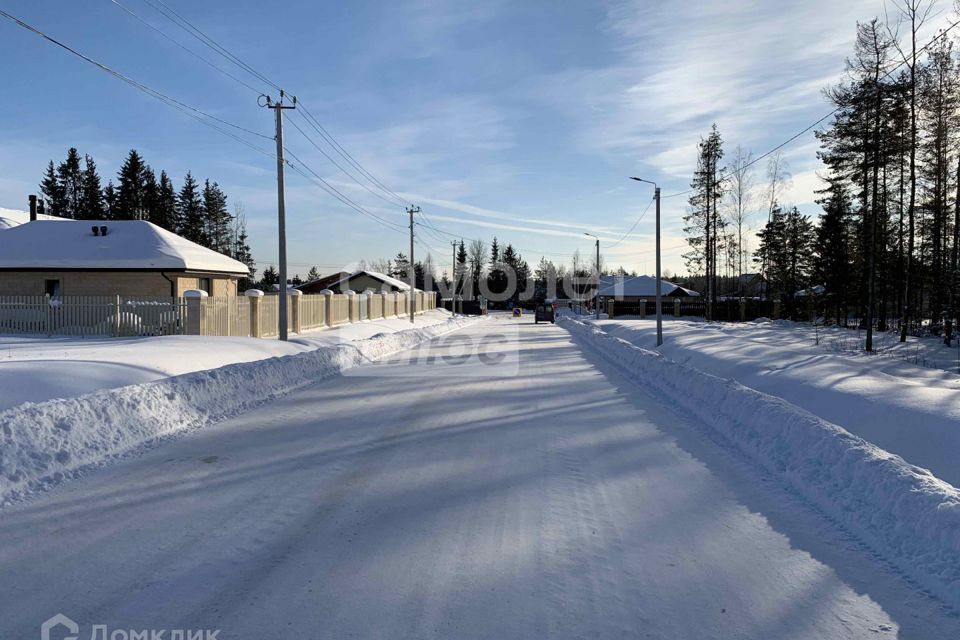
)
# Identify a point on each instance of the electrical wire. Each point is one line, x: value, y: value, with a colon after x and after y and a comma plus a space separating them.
x: 197, y: 114
x: 193, y: 53
x: 624, y: 237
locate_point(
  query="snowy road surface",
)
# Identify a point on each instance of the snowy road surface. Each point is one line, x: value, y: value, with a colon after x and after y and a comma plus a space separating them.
x: 549, y: 498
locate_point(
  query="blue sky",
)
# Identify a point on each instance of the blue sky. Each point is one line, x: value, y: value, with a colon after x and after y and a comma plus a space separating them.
x: 515, y: 119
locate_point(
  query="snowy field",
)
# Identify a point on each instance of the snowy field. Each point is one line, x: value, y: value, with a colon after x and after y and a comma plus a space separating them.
x: 904, y: 408
x: 39, y: 369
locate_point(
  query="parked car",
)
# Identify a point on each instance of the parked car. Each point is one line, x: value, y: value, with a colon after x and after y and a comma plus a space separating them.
x: 545, y: 312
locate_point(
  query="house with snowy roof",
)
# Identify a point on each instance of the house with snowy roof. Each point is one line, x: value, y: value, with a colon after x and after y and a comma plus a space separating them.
x: 635, y: 288
x: 115, y: 257
x: 365, y: 280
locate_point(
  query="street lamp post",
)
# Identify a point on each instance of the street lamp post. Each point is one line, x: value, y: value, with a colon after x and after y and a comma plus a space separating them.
x: 596, y: 301
x: 656, y: 195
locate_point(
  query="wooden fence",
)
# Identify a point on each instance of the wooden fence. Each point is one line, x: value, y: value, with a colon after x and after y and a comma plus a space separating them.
x: 92, y: 315
x: 242, y: 316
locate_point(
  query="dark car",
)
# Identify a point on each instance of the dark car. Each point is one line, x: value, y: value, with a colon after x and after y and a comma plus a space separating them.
x: 545, y: 312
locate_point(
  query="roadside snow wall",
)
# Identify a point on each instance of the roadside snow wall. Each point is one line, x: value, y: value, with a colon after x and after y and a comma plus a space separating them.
x: 901, y: 511
x: 43, y: 443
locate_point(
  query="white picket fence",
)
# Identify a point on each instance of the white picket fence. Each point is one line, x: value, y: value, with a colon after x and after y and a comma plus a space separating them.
x: 116, y: 316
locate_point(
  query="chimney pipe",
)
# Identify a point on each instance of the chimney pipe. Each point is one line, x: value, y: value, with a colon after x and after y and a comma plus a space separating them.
x: 33, y: 208
x: 95, y: 229
x: 103, y: 230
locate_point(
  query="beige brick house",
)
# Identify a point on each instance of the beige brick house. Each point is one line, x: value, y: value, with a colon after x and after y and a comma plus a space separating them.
x: 116, y: 257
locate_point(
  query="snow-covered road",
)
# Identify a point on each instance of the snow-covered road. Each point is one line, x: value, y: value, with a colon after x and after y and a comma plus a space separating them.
x: 544, y: 497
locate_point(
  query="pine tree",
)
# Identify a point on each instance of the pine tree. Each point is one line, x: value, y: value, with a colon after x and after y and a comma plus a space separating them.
x: 52, y: 192
x: 131, y: 201
x: 163, y: 213
x: 460, y: 269
x: 70, y: 181
x: 704, y: 224
x: 91, y: 206
x: 269, y: 280
x: 313, y: 274
x: 190, y: 212
x: 110, y: 201
x: 401, y: 267
x: 217, y: 218
x: 786, y: 246
x: 832, y: 264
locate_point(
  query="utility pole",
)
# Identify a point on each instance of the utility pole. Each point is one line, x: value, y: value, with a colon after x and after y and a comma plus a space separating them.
x: 656, y: 195
x: 278, y: 108
x: 453, y: 277
x: 412, y: 272
x: 596, y: 295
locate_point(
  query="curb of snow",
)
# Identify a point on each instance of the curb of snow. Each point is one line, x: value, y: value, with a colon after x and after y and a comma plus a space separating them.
x: 42, y: 444
x: 902, y: 511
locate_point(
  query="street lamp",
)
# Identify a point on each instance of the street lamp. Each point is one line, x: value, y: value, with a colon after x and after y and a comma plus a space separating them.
x: 596, y: 302
x: 656, y: 195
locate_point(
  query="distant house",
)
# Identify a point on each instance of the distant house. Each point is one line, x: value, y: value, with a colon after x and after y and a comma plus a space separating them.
x: 318, y: 285
x: 115, y: 257
x: 643, y: 287
x: 364, y: 280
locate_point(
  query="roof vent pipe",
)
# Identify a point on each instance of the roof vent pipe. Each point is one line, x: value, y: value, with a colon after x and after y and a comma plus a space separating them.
x: 103, y: 230
x: 33, y: 208
x: 96, y: 230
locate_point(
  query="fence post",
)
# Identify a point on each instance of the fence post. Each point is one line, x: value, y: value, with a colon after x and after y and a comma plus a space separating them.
x: 643, y: 309
x: 776, y: 309
x: 676, y: 307
x: 295, y: 309
x: 383, y: 297
x: 327, y: 307
x: 116, y: 325
x: 351, y: 307
x: 194, y: 311
x: 743, y: 310
x: 255, y: 295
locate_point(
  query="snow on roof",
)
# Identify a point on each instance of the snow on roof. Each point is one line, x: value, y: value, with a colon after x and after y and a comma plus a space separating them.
x: 129, y: 244
x: 643, y: 286
x: 10, y: 218
x: 382, y: 277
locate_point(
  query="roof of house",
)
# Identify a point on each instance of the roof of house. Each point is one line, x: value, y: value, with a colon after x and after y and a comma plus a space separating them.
x: 129, y: 244
x: 376, y: 275
x: 644, y: 286
x: 323, y: 282
x: 10, y: 218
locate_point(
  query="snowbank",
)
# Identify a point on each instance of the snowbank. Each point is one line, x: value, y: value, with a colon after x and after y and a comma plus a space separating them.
x: 44, y: 443
x: 903, y: 512
x: 37, y: 369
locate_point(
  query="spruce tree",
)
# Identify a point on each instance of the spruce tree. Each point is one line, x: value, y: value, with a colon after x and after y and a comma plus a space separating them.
x: 70, y: 181
x: 190, y: 212
x: 131, y: 201
x: 52, y: 192
x: 91, y: 205
x: 217, y: 220
x: 164, y: 210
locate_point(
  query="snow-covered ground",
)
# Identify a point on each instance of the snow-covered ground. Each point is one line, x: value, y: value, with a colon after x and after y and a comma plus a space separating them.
x: 902, y: 511
x: 38, y: 369
x: 906, y: 409
x: 559, y: 499
x: 43, y: 443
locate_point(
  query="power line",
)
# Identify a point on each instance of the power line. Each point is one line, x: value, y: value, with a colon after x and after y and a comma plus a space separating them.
x: 833, y: 112
x: 194, y: 31
x: 193, y: 53
x: 338, y: 165
x: 326, y: 186
x: 633, y: 227
x: 193, y: 112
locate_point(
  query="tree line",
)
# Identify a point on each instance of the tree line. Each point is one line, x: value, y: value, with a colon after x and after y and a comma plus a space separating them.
x: 884, y: 250
x: 199, y: 213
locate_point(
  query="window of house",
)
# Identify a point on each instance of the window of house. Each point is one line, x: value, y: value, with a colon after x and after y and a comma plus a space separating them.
x: 206, y: 284
x: 52, y: 288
